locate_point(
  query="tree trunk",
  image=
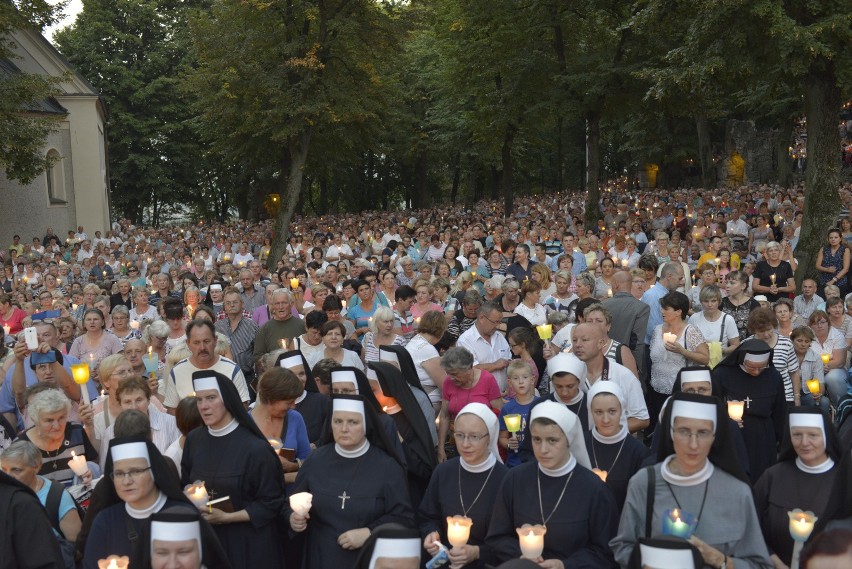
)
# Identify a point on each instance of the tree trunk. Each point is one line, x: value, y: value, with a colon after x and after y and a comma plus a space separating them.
x: 822, y: 196
x: 593, y: 167
x: 508, y: 170
x: 456, y: 180
x: 291, y: 188
x: 420, y: 199
x: 705, y: 154
x: 784, y: 166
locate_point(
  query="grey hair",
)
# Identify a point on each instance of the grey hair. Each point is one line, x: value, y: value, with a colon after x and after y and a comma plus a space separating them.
x: 156, y: 328
x: 457, y: 358
x: 669, y: 269
x: 495, y: 282
x: 120, y: 309
x: 25, y: 451
x: 282, y: 292
x: 587, y: 279
x: 557, y: 317
x: 47, y: 401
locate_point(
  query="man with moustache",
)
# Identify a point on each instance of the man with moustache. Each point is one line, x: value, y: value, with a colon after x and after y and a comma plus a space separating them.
x: 201, y: 341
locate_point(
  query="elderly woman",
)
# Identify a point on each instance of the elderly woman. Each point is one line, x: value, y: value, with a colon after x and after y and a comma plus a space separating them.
x: 155, y: 336
x: 810, y: 368
x: 54, y: 436
x: 102, y: 304
x: 381, y: 334
x: 141, y: 309
x: 191, y: 301
x: 828, y: 341
x: 121, y: 327
x: 423, y: 300
x: 809, y: 454
x: 698, y: 474
x: 762, y: 324
x: 124, y: 295
x: 838, y: 319
x: 530, y: 306
x: 22, y: 461
x: 556, y: 490
x: 465, y: 486
x: 351, y: 495
x: 276, y: 416
x: 113, y: 369
x: 95, y: 344
x: 427, y: 362
x: 333, y: 333
x: 562, y: 299
x: 463, y: 384
x: 90, y: 293
x: 668, y: 355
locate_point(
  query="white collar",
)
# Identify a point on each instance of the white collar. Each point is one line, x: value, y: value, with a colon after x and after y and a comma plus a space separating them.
x: 562, y: 470
x: 145, y: 513
x: 692, y: 480
x: 577, y: 398
x: 486, y: 464
x: 301, y: 397
x: 360, y: 451
x: 818, y: 469
x: 616, y: 438
x: 226, y: 430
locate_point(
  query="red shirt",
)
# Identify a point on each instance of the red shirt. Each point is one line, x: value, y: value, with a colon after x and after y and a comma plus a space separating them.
x: 14, y: 321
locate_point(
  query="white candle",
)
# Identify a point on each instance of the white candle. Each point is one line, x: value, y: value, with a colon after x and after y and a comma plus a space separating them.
x: 114, y: 562
x: 801, y: 524
x: 531, y: 539
x: 134, y: 325
x: 772, y: 278
x: 669, y: 337
x: 735, y: 410
x: 78, y: 464
x: 458, y: 530
x: 197, y: 494
x: 7, y: 329
x: 301, y: 502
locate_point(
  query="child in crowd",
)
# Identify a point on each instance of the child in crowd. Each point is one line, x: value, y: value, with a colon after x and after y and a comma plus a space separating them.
x: 522, y: 382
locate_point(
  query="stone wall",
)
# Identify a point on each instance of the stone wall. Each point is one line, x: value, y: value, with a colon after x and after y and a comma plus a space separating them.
x: 756, y: 147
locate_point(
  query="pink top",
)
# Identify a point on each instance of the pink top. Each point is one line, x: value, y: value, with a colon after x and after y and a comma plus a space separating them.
x: 485, y: 391
x: 417, y: 313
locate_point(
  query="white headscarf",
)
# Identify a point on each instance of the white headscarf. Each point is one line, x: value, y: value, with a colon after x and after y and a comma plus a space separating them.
x: 570, y: 425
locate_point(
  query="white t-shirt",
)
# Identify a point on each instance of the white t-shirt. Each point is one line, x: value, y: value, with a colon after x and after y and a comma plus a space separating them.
x: 635, y: 401
x: 179, y: 383
x: 485, y: 352
x: 712, y: 331
x: 422, y: 351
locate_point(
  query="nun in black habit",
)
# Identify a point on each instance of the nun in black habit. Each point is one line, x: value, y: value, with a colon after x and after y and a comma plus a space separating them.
x: 747, y: 375
x: 356, y: 486
x: 390, y: 546
x: 311, y: 404
x: 803, y: 477
x: 234, y: 460
x: 404, y: 410
x: 401, y: 359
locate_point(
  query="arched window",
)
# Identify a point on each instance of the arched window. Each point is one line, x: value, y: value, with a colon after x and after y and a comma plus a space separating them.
x: 55, y: 176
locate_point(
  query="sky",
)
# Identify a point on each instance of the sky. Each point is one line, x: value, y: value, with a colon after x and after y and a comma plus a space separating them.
x: 73, y: 8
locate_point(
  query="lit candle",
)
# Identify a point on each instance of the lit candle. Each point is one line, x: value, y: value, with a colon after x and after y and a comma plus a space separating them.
x: 609, y: 291
x: 80, y: 372
x: 114, y: 562
x: 545, y: 331
x: 197, y: 494
x: 7, y: 329
x: 717, y: 261
x: 624, y: 263
x: 813, y: 386
x: 801, y: 524
x: 675, y: 522
x: 458, y: 530
x: 343, y: 302
x: 284, y: 344
x: 301, y: 502
x: 513, y: 422
x: 78, y: 464
x: 275, y: 444
x: 294, y: 283
x: 825, y: 357
x: 736, y: 410
x: 134, y: 325
x: 601, y: 473
x: 531, y: 540
x: 772, y: 278
x: 669, y: 337
x: 150, y: 350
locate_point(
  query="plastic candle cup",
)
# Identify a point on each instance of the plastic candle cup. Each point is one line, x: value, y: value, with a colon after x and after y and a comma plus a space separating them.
x: 813, y: 386
x: 736, y: 410
x: 197, y: 494
x: 825, y: 357
x: 301, y: 502
x: 669, y: 337
x: 458, y: 530
x: 513, y: 423
x: 151, y: 363
x: 679, y: 523
x: 294, y: 283
x: 801, y: 524
x: 531, y: 539
x: 78, y: 463
x: 545, y: 331
x: 80, y: 372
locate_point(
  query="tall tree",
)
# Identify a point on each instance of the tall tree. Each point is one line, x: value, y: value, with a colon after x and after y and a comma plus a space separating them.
x: 23, y: 124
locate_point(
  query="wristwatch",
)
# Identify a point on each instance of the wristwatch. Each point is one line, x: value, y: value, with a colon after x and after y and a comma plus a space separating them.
x: 724, y: 564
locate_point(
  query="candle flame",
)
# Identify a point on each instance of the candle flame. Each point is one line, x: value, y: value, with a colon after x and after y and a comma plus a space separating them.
x: 531, y: 534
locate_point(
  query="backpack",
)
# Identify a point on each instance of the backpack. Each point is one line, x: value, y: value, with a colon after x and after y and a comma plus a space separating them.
x: 67, y: 548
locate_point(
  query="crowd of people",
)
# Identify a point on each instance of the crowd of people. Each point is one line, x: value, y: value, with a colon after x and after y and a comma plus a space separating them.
x: 433, y: 386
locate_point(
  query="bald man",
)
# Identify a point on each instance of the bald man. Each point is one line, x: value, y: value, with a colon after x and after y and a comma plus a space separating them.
x: 588, y: 342
x: 629, y: 317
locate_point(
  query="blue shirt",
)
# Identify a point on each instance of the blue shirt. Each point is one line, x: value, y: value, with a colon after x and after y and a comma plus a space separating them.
x: 66, y: 503
x: 580, y: 265
x: 652, y: 298
x: 512, y: 407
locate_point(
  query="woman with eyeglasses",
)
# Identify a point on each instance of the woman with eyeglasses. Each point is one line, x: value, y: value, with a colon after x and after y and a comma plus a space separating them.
x: 803, y: 478
x: 113, y: 369
x: 830, y: 341
x: 748, y: 375
x: 697, y: 475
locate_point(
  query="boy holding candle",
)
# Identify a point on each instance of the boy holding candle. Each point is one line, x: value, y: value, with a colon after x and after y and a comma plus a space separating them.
x: 521, y: 381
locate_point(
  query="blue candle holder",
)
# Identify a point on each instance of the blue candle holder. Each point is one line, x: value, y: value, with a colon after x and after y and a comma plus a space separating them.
x: 151, y: 363
x: 679, y: 523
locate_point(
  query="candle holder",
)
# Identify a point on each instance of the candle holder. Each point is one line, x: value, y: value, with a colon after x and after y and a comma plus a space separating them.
x: 301, y: 502
x: 531, y: 539
x: 513, y: 425
x: 151, y: 363
x: 197, y: 494
x: 81, y: 372
x: 294, y: 283
x: 813, y: 387
x: 678, y: 523
x: 736, y: 410
x: 669, y: 337
x: 825, y: 357
x: 801, y: 526
x: 545, y: 332
x: 114, y: 562
x: 458, y: 530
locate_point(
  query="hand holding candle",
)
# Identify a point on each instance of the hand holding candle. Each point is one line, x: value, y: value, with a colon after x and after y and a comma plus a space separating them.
x: 679, y: 523
x: 197, y: 494
x: 301, y: 503
x: 294, y: 283
x: 513, y: 425
x: 78, y: 464
x: 668, y: 337
x: 531, y: 540
x: 813, y: 387
x: 825, y: 357
x: 801, y: 524
x: 80, y: 372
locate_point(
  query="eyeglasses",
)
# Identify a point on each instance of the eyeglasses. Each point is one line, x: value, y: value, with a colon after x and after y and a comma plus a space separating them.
x: 132, y: 474
x: 685, y: 434
x: 462, y: 437
x: 820, y: 322
x: 493, y: 322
